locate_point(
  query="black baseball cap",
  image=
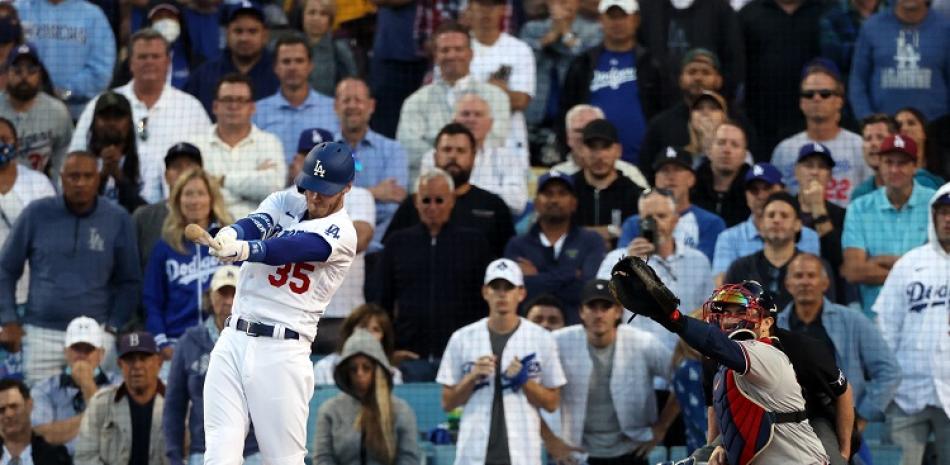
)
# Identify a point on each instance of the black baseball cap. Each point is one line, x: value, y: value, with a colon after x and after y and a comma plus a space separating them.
x: 113, y: 103
x: 673, y: 155
x: 600, y: 129
x: 139, y: 341
x: 597, y: 289
x: 183, y: 150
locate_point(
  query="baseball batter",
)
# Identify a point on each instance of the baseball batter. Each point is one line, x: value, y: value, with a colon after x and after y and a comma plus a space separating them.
x: 758, y: 402
x: 296, y: 250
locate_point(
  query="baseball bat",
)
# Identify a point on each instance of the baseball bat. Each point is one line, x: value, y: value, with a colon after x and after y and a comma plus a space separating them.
x: 195, y: 233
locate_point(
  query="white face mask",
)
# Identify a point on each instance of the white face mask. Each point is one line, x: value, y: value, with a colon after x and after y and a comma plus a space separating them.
x: 682, y: 4
x: 168, y: 28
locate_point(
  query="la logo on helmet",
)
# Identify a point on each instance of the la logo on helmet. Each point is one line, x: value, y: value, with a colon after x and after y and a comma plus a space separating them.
x: 318, y: 169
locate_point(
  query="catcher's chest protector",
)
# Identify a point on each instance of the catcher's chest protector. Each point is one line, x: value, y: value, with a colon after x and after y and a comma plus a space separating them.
x: 746, y: 427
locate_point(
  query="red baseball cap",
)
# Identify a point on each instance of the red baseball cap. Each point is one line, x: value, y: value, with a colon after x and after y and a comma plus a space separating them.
x: 899, y: 144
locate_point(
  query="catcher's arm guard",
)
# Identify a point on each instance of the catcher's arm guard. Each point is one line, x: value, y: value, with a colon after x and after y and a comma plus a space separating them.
x: 637, y: 287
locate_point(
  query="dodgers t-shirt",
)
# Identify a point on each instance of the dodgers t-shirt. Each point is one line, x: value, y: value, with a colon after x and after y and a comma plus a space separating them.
x: 614, y: 90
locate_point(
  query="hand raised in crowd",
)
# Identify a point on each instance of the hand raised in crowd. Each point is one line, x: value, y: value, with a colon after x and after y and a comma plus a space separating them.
x: 527, y: 267
x: 640, y: 247
x: 111, y: 156
x: 83, y: 374
x: 813, y: 198
x: 388, y: 191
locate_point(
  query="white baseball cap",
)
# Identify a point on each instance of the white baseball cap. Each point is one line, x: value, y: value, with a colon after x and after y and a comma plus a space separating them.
x: 506, y: 269
x: 83, y: 330
x: 628, y: 6
x: 226, y: 275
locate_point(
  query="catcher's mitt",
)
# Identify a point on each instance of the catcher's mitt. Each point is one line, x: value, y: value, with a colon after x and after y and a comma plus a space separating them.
x: 637, y: 287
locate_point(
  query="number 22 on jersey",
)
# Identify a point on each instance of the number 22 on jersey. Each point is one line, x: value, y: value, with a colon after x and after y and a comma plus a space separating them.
x: 293, y: 273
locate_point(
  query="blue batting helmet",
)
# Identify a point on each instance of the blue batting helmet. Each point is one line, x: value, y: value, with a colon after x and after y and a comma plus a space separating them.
x: 328, y: 168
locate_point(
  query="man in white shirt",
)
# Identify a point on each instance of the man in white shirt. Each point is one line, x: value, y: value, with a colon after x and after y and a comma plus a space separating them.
x: 821, y: 101
x: 608, y: 410
x: 498, y: 169
x: 248, y: 162
x: 912, y: 315
x: 431, y: 107
x: 505, y: 61
x: 501, y: 370
x: 162, y: 115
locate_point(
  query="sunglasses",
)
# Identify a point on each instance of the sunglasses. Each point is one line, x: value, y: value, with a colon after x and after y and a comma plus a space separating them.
x: 823, y: 93
x: 437, y: 200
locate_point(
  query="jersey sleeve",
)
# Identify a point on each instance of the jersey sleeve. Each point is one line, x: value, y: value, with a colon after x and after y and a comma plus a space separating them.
x: 450, y: 369
x: 552, y: 373
x: 765, y: 364
x: 337, y: 230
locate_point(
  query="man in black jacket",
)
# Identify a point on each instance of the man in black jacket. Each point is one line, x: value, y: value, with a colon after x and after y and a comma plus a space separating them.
x: 619, y: 76
x: 720, y: 179
x: 605, y: 197
x: 475, y: 208
x: 431, y: 276
x: 16, y: 432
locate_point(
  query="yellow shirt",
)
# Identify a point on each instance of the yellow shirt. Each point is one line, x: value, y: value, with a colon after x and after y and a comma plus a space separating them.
x: 347, y: 10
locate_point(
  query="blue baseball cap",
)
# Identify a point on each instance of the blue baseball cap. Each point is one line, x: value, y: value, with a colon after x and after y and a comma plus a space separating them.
x: 24, y: 50
x: 139, y: 341
x: 765, y: 172
x: 327, y: 170
x: 245, y: 7
x: 818, y: 150
x: 942, y: 200
x: 309, y: 138
x: 555, y: 176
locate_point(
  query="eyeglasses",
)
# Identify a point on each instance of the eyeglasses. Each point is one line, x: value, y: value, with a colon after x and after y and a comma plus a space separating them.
x: 656, y: 190
x: 823, y: 93
x: 234, y: 100
x: 141, y: 128
x: 437, y: 200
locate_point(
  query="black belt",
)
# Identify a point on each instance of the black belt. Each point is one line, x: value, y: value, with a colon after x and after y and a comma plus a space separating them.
x: 260, y: 329
x: 788, y: 417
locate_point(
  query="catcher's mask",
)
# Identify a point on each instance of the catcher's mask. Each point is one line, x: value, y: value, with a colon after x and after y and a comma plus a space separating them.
x: 737, y: 309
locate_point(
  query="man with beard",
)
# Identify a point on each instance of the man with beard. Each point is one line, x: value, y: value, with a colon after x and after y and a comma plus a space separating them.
x: 43, y: 124
x: 245, y: 54
x: 556, y: 255
x: 475, y: 208
x: 498, y: 168
x: 384, y: 168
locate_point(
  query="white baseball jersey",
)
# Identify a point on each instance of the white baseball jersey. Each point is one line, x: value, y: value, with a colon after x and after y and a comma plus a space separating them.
x: 295, y: 294
x: 521, y: 418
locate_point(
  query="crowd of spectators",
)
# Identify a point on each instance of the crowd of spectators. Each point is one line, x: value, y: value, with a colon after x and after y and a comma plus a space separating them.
x: 508, y: 154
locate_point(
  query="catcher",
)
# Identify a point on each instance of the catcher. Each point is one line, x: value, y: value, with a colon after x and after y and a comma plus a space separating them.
x: 758, y: 403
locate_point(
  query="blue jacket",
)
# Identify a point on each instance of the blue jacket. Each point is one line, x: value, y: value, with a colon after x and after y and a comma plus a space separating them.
x: 709, y: 226
x: 186, y: 381
x: 203, y: 81
x: 885, y: 79
x: 79, y: 265
x: 862, y: 354
x: 565, y: 275
x: 174, y: 284
x: 75, y: 42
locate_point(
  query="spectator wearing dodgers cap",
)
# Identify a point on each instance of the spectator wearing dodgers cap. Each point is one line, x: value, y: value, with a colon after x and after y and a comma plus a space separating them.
x: 557, y: 255
x: 184, y: 398
x: 59, y: 401
x: 883, y: 225
x: 123, y: 422
x: 501, y: 370
x: 619, y: 76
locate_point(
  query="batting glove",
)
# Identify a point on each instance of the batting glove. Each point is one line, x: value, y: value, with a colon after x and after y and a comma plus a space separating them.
x: 234, y: 251
x: 225, y: 235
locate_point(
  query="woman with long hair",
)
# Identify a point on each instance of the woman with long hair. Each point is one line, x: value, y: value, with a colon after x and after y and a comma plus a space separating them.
x: 179, y: 271
x: 372, y: 318
x: 912, y: 123
x: 112, y: 139
x: 365, y: 424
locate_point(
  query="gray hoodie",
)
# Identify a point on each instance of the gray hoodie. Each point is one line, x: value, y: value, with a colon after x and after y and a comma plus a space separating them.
x: 337, y: 441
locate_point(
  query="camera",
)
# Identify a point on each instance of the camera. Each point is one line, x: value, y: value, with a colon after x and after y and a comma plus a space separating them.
x: 648, y: 229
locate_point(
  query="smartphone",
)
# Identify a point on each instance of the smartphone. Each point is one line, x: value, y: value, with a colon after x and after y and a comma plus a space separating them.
x: 503, y: 73
x: 648, y: 229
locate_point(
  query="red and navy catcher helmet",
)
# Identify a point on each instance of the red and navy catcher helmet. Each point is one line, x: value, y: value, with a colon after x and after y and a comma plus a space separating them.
x: 738, y: 308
